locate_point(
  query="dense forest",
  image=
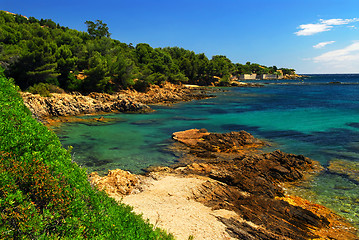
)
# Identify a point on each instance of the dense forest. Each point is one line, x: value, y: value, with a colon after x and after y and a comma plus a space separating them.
x: 40, y: 53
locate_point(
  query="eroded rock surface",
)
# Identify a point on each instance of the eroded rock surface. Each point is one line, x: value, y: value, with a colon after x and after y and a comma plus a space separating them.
x: 124, y: 101
x: 116, y: 182
x: 242, y: 181
x: 249, y: 184
x: 72, y: 105
x: 169, y: 93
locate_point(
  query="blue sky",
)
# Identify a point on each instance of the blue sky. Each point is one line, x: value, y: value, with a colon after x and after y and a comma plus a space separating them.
x: 312, y: 36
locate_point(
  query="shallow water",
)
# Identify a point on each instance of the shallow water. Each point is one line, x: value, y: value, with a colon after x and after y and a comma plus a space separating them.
x: 309, y: 117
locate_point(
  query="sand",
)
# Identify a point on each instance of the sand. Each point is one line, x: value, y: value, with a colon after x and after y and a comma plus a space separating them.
x: 167, y: 203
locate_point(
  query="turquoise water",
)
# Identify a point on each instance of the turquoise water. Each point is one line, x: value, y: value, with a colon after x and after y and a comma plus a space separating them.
x: 309, y: 117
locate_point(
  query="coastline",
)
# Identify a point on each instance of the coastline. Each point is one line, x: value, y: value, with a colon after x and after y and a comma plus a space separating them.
x: 226, y: 177
x: 341, y: 225
x: 63, y: 107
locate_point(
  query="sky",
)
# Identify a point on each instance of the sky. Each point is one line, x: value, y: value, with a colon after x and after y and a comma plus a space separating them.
x: 311, y: 36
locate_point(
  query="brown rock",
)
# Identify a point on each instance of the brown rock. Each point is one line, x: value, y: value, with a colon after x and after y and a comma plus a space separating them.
x: 202, y: 141
x: 77, y: 104
x: 123, y: 101
x: 116, y: 182
x: 190, y: 137
x: 248, y: 183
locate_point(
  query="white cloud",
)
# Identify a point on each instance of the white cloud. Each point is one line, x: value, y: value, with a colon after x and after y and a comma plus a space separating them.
x: 311, y: 29
x: 348, y: 53
x: 338, y: 21
x: 323, y: 44
x: 341, y: 60
x: 322, y: 26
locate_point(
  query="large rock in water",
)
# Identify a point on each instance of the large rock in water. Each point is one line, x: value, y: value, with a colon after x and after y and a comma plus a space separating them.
x: 249, y: 184
x: 200, y: 140
x: 245, y: 182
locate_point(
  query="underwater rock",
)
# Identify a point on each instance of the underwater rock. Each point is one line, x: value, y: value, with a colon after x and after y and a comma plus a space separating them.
x: 349, y: 169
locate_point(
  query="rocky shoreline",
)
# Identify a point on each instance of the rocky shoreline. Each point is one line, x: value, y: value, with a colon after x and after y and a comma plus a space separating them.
x: 230, y: 178
x: 59, y: 105
x: 223, y: 187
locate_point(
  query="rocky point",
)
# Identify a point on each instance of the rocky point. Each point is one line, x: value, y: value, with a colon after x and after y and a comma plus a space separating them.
x: 236, y: 176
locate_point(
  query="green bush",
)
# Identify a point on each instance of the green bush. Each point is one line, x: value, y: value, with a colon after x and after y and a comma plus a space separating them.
x: 44, y: 194
x: 45, y: 89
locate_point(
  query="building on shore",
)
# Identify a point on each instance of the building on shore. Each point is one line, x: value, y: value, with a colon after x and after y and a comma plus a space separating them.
x: 268, y: 77
x: 273, y: 76
x: 252, y: 76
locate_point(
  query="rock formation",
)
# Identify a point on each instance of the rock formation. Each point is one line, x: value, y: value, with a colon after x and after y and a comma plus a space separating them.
x: 124, y: 101
x: 236, y: 177
x: 169, y: 93
x: 76, y: 104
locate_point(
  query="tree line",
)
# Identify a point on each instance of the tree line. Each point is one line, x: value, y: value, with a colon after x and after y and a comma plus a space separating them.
x: 40, y: 52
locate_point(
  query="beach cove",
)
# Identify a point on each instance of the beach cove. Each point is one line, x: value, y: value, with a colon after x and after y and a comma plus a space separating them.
x: 309, y: 121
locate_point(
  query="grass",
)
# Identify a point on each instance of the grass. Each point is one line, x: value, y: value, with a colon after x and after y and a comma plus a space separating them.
x: 44, y: 194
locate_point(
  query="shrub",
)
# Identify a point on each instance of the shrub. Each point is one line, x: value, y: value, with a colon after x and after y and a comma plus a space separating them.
x: 45, y: 89
x: 44, y: 194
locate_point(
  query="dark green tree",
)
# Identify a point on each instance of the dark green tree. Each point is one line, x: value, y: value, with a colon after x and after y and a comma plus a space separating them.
x: 97, y: 75
x: 97, y: 29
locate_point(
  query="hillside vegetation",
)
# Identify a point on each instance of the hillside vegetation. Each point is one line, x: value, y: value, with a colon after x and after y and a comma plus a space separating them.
x: 44, y: 194
x: 40, y: 51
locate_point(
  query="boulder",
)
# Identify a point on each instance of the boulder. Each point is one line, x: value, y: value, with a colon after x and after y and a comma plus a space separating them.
x: 116, y: 182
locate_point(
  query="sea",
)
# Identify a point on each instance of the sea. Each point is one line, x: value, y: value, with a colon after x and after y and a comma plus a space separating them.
x: 316, y: 116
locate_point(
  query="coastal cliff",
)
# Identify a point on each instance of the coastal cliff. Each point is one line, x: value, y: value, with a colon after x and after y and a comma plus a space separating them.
x: 225, y: 188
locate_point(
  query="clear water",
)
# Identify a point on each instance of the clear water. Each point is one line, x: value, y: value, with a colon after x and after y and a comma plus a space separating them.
x: 309, y: 117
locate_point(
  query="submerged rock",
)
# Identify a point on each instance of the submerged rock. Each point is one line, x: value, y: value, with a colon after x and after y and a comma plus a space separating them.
x: 350, y: 169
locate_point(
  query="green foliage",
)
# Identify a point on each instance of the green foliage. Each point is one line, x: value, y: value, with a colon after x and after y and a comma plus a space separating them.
x: 44, y: 194
x: 98, y: 29
x: 34, y: 51
x: 45, y: 89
